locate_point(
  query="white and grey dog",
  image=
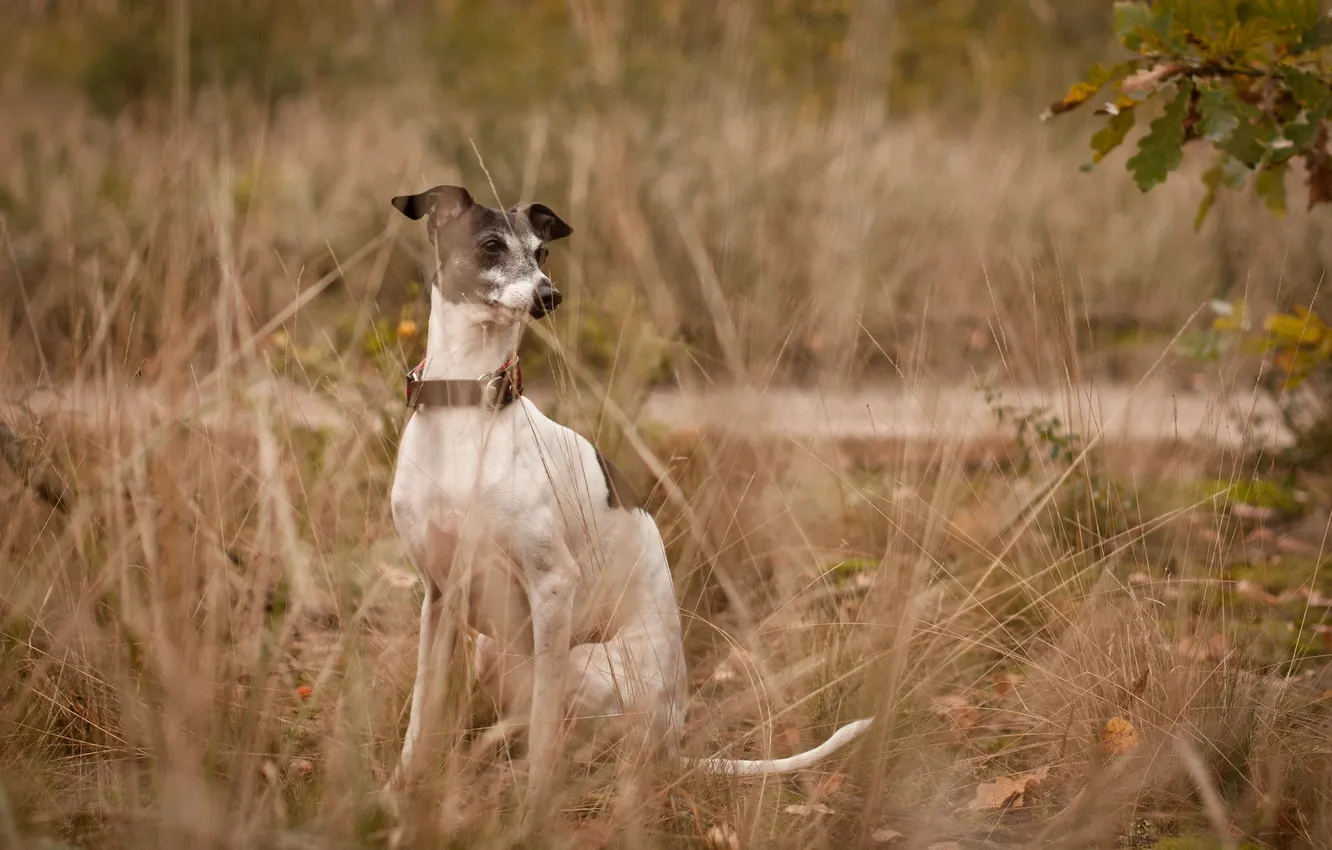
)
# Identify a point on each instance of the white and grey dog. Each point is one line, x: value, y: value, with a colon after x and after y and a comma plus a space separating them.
x: 517, y: 524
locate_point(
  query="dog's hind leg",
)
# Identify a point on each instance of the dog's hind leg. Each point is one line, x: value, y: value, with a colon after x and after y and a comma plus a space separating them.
x: 629, y: 674
x: 591, y: 683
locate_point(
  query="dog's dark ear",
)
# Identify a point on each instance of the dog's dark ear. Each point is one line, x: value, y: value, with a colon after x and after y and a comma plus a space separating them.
x: 545, y: 222
x: 442, y: 204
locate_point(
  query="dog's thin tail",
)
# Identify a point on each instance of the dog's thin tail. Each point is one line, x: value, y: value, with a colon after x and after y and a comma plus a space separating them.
x: 799, y: 761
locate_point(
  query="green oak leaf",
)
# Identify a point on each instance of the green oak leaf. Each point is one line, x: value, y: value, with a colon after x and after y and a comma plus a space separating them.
x: 1316, y: 36
x: 1212, y: 180
x: 1162, y: 149
x: 1309, y: 89
x: 1112, y: 134
x: 1225, y: 171
x: 1302, y: 133
x: 1271, y: 187
x: 1131, y: 18
x: 1219, y: 114
x: 1248, y: 142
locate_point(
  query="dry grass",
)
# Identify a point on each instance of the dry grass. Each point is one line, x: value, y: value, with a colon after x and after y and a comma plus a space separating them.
x: 209, y: 641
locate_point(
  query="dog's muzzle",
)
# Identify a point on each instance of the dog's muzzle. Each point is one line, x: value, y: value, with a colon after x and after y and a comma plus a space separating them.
x: 547, y: 299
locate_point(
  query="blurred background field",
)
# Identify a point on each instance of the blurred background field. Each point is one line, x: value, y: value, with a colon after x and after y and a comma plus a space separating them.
x: 206, y: 307
x: 841, y: 174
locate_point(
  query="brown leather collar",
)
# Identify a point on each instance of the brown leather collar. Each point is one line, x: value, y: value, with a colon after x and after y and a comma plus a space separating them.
x: 492, y: 391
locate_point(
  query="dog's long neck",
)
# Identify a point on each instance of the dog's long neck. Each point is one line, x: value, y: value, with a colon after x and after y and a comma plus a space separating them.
x: 467, y: 340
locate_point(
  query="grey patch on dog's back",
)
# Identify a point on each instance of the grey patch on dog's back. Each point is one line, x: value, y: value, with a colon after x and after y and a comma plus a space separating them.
x: 620, y: 494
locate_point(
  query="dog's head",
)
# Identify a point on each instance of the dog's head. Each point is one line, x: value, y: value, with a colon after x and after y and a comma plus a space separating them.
x: 486, y: 256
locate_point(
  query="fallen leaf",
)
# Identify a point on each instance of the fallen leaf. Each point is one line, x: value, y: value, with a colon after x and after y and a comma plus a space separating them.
x: 1292, y: 546
x: 1194, y: 648
x: 724, y: 673
x: 959, y: 710
x: 1260, y: 535
x: 721, y: 836
x: 300, y: 767
x: 1006, y: 684
x: 1324, y: 633
x: 1204, y: 528
x: 304, y: 691
x: 998, y: 794
x: 828, y: 785
x: 1139, y: 685
x: 1007, y: 792
x: 593, y: 834
x: 885, y: 835
x: 805, y: 809
x: 1257, y: 513
x: 1253, y: 590
x: 1119, y: 736
x: 1316, y: 599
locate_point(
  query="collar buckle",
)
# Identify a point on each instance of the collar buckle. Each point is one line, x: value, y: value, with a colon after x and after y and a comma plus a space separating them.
x: 413, y: 384
x: 503, y: 387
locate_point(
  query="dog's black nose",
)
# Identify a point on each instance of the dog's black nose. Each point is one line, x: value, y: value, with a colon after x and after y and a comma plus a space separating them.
x: 547, y: 299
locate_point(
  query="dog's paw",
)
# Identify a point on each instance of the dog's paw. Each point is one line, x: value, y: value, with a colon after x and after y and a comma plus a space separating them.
x: 388, y: 800
x: 379, y: 821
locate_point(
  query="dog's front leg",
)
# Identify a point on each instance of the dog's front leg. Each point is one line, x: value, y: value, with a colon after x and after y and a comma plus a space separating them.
x: 426, y: 674
x: 550, y: 595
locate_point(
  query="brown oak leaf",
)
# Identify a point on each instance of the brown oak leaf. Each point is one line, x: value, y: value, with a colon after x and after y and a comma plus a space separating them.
x: 1119, y: 736
x: 1007, y: 792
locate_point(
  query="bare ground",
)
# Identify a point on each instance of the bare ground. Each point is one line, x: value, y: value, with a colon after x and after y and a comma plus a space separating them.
x: 1120, y: 413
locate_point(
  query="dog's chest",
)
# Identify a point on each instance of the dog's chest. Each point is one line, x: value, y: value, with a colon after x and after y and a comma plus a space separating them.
x: 460, y: 470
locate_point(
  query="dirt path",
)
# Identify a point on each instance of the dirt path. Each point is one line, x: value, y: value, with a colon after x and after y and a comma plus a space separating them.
x: 1150, y: 413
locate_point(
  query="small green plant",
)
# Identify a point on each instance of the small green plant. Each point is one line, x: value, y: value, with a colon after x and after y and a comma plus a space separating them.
x: 1036, y: 432
x: 1091, y: 502
x: 1248, y: 77
x: 1259, y: 493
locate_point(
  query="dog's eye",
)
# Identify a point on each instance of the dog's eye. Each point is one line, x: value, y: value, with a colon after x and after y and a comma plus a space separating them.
x: 541, y: 255
x: 492, y: 245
